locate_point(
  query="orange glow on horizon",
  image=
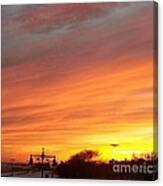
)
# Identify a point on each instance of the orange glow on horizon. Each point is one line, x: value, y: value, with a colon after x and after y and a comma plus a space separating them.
x: 78, y: 87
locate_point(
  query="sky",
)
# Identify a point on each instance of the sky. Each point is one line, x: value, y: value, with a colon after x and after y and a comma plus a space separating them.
x: 77, y: 77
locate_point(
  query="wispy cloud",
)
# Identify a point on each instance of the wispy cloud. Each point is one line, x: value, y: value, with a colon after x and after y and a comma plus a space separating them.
x: 72, y: 73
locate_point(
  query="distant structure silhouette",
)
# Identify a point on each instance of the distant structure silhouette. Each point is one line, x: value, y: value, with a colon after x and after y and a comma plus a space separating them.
x: 31, y: 160
x: 42, y: 157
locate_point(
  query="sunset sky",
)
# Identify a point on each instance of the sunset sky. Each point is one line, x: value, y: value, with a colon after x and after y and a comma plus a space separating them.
x: 76, y: 77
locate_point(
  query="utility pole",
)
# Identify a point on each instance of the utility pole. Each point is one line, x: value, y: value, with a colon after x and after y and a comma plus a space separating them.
x: 42, y: 156
x: 42, y: 162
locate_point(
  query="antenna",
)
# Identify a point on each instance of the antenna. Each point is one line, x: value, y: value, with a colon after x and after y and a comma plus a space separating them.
x: 42, y: 156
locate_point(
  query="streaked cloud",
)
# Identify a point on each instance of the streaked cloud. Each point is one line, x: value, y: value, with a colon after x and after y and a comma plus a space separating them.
x: 76, y: 76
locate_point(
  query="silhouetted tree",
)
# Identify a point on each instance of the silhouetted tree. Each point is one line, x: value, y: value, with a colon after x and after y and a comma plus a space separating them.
x: 85, y: 165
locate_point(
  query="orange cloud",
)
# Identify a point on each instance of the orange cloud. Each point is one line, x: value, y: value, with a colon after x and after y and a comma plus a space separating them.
x: 78, y: 87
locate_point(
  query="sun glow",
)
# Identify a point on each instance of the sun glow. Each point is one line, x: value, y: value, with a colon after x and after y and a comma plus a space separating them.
x: 76, y: 85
